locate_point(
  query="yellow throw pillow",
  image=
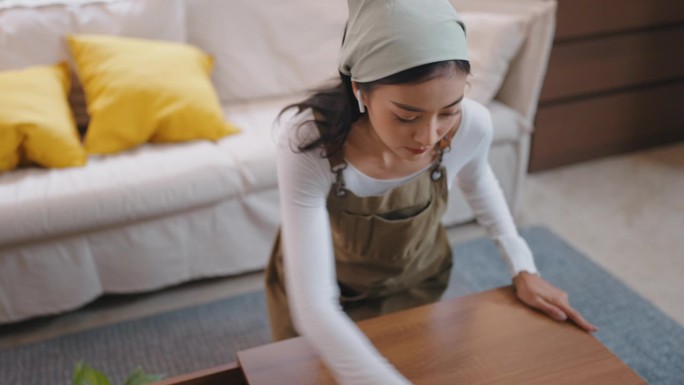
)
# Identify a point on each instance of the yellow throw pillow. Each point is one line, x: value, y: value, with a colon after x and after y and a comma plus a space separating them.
x: 143, y: 90
x: 35, y: 119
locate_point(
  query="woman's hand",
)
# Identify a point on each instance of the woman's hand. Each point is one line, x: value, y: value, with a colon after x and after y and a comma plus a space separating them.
x: 538, y: 293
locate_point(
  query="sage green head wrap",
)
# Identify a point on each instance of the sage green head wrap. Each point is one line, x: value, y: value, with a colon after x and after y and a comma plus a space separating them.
x: 385, y: 37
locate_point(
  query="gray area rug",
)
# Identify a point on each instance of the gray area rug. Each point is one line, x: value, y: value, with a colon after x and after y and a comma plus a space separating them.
x: 208, y: 335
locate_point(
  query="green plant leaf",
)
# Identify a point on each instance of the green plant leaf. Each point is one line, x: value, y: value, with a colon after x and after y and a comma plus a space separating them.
x: 139, y: 377
x: 85, y: 375
x: 78, y: 373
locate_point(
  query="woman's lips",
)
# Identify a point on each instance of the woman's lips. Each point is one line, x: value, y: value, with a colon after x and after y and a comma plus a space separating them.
x: 417, y: 151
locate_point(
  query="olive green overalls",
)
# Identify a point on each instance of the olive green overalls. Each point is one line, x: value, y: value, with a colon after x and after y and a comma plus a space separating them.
x: 391, y: 251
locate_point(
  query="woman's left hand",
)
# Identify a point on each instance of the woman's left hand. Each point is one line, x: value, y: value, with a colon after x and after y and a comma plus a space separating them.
x: 538, y: 293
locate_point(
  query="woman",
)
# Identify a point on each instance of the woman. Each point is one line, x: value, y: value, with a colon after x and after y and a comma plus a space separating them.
x: 364, y: 170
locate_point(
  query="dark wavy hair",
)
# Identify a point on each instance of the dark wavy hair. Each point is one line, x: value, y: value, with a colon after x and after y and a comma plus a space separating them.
x: 336, y: 108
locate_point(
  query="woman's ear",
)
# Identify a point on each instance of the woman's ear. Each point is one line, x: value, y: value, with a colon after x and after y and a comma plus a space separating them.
x: 355, y: 87
x: 360, y: 99
x: 358, y: 94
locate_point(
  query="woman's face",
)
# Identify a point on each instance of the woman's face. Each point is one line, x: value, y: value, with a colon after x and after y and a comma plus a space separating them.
x: 410, y: 119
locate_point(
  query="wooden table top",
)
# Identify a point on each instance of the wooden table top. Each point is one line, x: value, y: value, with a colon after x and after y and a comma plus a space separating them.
x: 486, y: 338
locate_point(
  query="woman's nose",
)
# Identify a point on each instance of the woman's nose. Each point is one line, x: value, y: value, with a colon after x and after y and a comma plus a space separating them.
x: 428, y: 134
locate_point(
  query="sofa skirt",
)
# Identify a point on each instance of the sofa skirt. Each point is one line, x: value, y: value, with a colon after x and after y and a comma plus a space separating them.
x: 51, y: 276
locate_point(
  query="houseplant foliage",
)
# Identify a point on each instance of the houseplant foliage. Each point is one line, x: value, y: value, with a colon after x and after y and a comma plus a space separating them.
x: 84, y: 374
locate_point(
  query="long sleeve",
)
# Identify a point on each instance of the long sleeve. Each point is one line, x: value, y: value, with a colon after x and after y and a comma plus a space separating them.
x: 310, y: 275
x: 485, y: 197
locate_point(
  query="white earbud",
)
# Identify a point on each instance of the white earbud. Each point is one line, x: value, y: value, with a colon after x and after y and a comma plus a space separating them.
x: 362, y: 108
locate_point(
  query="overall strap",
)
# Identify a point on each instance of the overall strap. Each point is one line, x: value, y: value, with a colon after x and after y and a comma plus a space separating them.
x: 336, y: 160
x: 443, y: 146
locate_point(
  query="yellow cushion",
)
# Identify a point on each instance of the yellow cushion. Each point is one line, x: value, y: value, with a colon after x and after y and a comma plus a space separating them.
x: 35, y: 119
x: 142, y: 90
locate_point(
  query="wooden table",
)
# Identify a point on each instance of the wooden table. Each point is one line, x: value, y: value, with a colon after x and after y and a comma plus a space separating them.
x: 486, y: 338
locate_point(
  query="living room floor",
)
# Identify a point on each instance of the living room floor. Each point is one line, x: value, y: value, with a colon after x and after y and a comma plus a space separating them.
x: 626, y: 213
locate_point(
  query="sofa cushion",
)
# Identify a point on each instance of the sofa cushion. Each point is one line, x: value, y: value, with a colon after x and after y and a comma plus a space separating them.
x: 35, y: 119
x: 163, y: 179
x: 151, y: 181
x: 270, y: 48
x: 131, y: 100
x: 493, y: 41
x: 254, y: 149
x: 508, y: 124
x: 32, y: 32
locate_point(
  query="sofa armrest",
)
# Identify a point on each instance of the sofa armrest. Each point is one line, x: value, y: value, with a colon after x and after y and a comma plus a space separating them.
x: 522, y: 85
x: 523, y: 82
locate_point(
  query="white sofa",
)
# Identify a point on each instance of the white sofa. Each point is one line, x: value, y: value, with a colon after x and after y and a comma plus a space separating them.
x: 159, y: 215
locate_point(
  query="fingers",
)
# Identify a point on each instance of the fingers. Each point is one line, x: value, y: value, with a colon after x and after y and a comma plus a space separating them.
x: 577, y: 318
x: 550, y: 309
x: 552, y: 301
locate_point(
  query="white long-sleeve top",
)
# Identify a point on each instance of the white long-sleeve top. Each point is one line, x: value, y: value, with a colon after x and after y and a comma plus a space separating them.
x: 304, y: 182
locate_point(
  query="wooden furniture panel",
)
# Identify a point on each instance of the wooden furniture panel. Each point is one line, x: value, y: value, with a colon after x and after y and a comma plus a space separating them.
x: 582, y: 18
x: 590, y: 66
x: 229, y: 374
x: 487, y: 338
x: 591, y: 128
x: 607, y: 57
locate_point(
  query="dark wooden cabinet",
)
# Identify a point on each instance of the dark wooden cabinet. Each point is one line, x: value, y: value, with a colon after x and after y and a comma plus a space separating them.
x: 615, y: 81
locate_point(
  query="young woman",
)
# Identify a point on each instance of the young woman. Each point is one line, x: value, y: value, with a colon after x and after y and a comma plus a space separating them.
x: 364, y: 170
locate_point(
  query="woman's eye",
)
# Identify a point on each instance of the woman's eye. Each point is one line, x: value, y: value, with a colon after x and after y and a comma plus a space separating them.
x: 406, y: 120
x: 453, y: 113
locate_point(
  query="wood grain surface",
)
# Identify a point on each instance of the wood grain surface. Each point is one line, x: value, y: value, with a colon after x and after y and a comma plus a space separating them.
x: 608, y: 56
x: 487, y: 338
x: 616, y: 62
x: 595, y: 127
x: 583, y: 18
